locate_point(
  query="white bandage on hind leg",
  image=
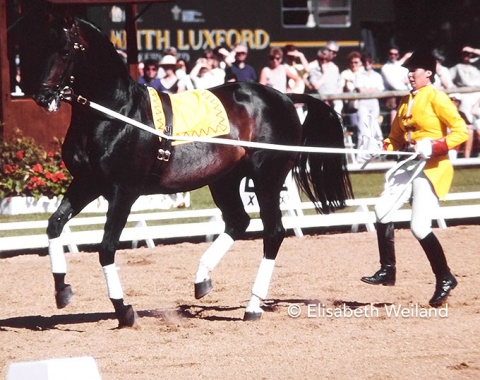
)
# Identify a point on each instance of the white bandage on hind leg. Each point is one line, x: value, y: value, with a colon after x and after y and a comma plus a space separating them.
x: 58, y: 263
x: 262, y: 281
x: 113, y: 282
x: 212, y: 256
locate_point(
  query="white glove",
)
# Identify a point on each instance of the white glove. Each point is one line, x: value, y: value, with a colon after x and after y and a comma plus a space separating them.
x: 424, y: 148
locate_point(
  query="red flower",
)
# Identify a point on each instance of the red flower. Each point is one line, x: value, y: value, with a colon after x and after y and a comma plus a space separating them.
x: 50, y: 154
x: 8, y: 169
x: 37, y: 168
x: 20, y: 154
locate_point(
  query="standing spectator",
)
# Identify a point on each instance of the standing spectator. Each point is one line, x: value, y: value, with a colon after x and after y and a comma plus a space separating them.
x: 276, y: 74
x: 239, y: 70
x: 170, y: 82
x: 475, y: 128
x: 183, y: 74
x: 443, y: 79
x: 203, y: 76
x: 368, y: 80
x: 464, y: 74
x: 296, y: 62
x: 348, y: 78
x: 149, y: 77
x: 427, y: 122
x: 324, y: 77
x: 395, y: 78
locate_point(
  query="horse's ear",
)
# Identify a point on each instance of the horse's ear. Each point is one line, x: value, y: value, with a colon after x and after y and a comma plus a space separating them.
x: 68, y: 21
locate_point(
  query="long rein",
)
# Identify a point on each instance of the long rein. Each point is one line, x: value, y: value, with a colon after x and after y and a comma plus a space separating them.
x: 67, y: 94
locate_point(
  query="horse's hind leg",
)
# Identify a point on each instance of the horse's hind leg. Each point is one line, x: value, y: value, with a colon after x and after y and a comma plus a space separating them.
x: 227, y: 198
x: 268, y: 195
x: 79, y: 194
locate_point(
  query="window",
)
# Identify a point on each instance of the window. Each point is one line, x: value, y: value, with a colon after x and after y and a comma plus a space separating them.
x: 316, y: 13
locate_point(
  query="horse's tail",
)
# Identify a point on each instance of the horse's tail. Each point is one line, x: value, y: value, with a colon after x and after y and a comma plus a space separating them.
x: 322, y: 176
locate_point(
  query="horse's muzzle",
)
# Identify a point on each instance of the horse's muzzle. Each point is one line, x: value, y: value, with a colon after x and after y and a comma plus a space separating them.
x: 47, y: 98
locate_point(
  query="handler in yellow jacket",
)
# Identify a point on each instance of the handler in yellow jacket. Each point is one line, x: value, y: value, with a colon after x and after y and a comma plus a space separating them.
x: 429, y: 124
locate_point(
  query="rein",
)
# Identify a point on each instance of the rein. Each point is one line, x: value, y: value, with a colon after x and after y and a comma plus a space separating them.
x: 67, y: 94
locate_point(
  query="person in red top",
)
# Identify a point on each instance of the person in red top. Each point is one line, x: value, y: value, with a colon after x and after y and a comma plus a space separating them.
x: 428, y: 123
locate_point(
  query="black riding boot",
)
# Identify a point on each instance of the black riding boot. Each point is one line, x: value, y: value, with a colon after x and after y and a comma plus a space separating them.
x: 386, y: 247
x: 444, y: 278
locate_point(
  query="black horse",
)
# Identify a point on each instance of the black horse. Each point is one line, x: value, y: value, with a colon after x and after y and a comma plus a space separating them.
x: 118, y: 161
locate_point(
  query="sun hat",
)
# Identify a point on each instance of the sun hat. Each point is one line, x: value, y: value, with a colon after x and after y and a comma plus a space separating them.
x: 168, y: 60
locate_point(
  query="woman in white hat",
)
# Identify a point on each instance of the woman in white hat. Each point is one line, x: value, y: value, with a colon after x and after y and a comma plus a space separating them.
x: 170, y: 82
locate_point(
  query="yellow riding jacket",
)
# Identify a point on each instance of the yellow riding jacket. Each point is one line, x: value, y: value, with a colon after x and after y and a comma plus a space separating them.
x: 429, y: 114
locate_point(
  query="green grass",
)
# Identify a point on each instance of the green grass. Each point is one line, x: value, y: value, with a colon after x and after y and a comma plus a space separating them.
x: 365, y: 185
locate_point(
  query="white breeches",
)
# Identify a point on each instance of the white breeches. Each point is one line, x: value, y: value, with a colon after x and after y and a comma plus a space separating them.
x: 424, y: 203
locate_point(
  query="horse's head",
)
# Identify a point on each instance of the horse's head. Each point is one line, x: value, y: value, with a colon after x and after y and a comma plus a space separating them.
x: 59, y: 74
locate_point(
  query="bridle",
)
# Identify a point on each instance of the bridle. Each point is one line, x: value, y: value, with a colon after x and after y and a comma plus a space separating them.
x: 76, y: 50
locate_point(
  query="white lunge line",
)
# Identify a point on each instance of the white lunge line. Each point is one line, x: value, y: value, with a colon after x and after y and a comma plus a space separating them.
x: 246, y: 144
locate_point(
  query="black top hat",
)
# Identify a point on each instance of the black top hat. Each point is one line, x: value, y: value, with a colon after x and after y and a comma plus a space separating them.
x: 421, y: 59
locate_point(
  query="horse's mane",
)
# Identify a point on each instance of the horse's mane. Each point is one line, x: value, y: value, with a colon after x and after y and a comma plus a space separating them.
x: 100, y: 51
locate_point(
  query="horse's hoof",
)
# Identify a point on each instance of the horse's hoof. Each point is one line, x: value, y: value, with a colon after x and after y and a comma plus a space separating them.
x: 203, y: 288
x: 127, y: 318
x: 63, y: 297
x: 252, y: 316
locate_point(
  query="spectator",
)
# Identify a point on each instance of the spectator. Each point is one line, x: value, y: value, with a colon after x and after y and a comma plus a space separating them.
x: 368, y: 80
x: 149, y: 77
x: 348, y: 85
x: 239, y: 70
x: 296, y: 62
x: 183, y: 74
x: 324, y: 77
x: 395, y: 78
x: 203, y: 76
x: 443, y: 79
x: 276, y: 74
x: 170, y: 82
x: 464, y: 74
x: 475, y: 128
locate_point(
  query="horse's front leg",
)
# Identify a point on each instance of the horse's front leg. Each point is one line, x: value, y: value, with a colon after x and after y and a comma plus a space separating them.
x: 78, y: 195
x: 118, y: 210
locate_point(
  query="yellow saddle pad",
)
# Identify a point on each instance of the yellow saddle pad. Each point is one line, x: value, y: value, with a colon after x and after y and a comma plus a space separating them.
x: 197, y: 113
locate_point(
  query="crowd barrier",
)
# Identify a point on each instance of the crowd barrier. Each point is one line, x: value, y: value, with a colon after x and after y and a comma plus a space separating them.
x: 185, y: 224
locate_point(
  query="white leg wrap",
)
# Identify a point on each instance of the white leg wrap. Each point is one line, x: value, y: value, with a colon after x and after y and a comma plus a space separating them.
x: 113, y: 282
x: 58, y: 263
x: 212, y: 256
x: 264, y: 275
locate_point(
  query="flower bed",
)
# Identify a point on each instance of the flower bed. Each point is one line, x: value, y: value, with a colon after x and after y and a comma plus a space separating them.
x: 28, y: 170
